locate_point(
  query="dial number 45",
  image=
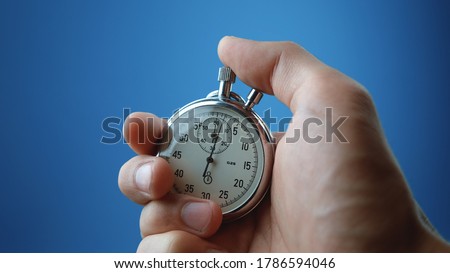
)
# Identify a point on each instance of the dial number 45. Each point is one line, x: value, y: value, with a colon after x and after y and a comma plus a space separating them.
x: 176, y: 154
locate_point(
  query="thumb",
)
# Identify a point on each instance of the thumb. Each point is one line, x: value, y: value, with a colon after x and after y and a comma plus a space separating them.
x: 277, y: 68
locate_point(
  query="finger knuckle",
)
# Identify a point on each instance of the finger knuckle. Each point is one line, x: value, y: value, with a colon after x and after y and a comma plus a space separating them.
x: 148, y: 222
x: 332, y: 88
x: 290, y: 46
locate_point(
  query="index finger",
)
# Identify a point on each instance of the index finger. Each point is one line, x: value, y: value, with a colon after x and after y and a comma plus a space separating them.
x: 143, y: 131
x: 296, y: 78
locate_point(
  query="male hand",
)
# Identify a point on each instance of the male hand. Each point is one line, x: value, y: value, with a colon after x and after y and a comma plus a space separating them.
x: 325, y: 196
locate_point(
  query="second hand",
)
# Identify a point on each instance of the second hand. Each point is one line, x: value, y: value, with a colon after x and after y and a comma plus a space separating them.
x: 209, y: 159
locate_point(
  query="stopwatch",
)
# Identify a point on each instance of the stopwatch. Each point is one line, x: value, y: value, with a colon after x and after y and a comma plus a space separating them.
x: 220, y: 149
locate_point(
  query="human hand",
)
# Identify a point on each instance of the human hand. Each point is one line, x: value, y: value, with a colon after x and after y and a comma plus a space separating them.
x: 325, y: 196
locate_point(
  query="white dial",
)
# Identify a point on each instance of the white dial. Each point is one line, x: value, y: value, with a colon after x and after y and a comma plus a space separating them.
x: 217, y: 154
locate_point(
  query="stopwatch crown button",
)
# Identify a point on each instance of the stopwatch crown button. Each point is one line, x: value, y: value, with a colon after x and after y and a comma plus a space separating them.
x: 226, y: 78
x: 253, y: 98
x: 226, y: 75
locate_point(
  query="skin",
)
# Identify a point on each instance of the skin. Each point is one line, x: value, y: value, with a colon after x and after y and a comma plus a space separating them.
x: 325, y: 197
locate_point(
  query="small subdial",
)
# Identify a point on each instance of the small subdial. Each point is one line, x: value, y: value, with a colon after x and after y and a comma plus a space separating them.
x: 214, y: 134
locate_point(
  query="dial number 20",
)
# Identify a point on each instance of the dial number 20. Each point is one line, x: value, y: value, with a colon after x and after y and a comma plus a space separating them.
x: 238, y: 183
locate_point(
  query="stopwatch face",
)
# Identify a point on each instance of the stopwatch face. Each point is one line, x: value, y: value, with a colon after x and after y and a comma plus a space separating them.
x: 215, y: 153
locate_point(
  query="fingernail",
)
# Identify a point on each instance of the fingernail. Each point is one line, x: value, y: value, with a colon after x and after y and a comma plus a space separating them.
x: 143, y: 176
x: 197, y: 215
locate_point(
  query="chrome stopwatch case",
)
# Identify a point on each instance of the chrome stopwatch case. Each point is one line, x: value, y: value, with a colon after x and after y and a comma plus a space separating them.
x: 220, y: 149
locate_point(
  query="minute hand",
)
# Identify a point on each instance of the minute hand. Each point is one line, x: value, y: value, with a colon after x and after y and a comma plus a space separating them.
x: 209, y: 159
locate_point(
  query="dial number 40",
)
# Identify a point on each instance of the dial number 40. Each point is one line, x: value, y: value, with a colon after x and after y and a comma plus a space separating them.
x: 179, y: 173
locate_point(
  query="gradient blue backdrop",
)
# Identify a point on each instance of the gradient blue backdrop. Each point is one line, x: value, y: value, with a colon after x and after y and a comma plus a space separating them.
x: 66, y: 66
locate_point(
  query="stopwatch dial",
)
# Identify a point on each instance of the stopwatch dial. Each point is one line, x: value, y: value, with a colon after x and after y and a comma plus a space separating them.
x: 215, y: 154
x: 213, y: 135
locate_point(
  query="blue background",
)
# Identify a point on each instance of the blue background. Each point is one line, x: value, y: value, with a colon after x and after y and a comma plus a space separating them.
x: 66, y: 66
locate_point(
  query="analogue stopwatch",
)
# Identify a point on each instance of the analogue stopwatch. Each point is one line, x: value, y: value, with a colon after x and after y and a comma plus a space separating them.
x: 220, y: 149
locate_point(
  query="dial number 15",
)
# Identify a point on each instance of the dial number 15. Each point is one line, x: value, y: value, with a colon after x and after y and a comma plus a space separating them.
x: 247, y: 165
